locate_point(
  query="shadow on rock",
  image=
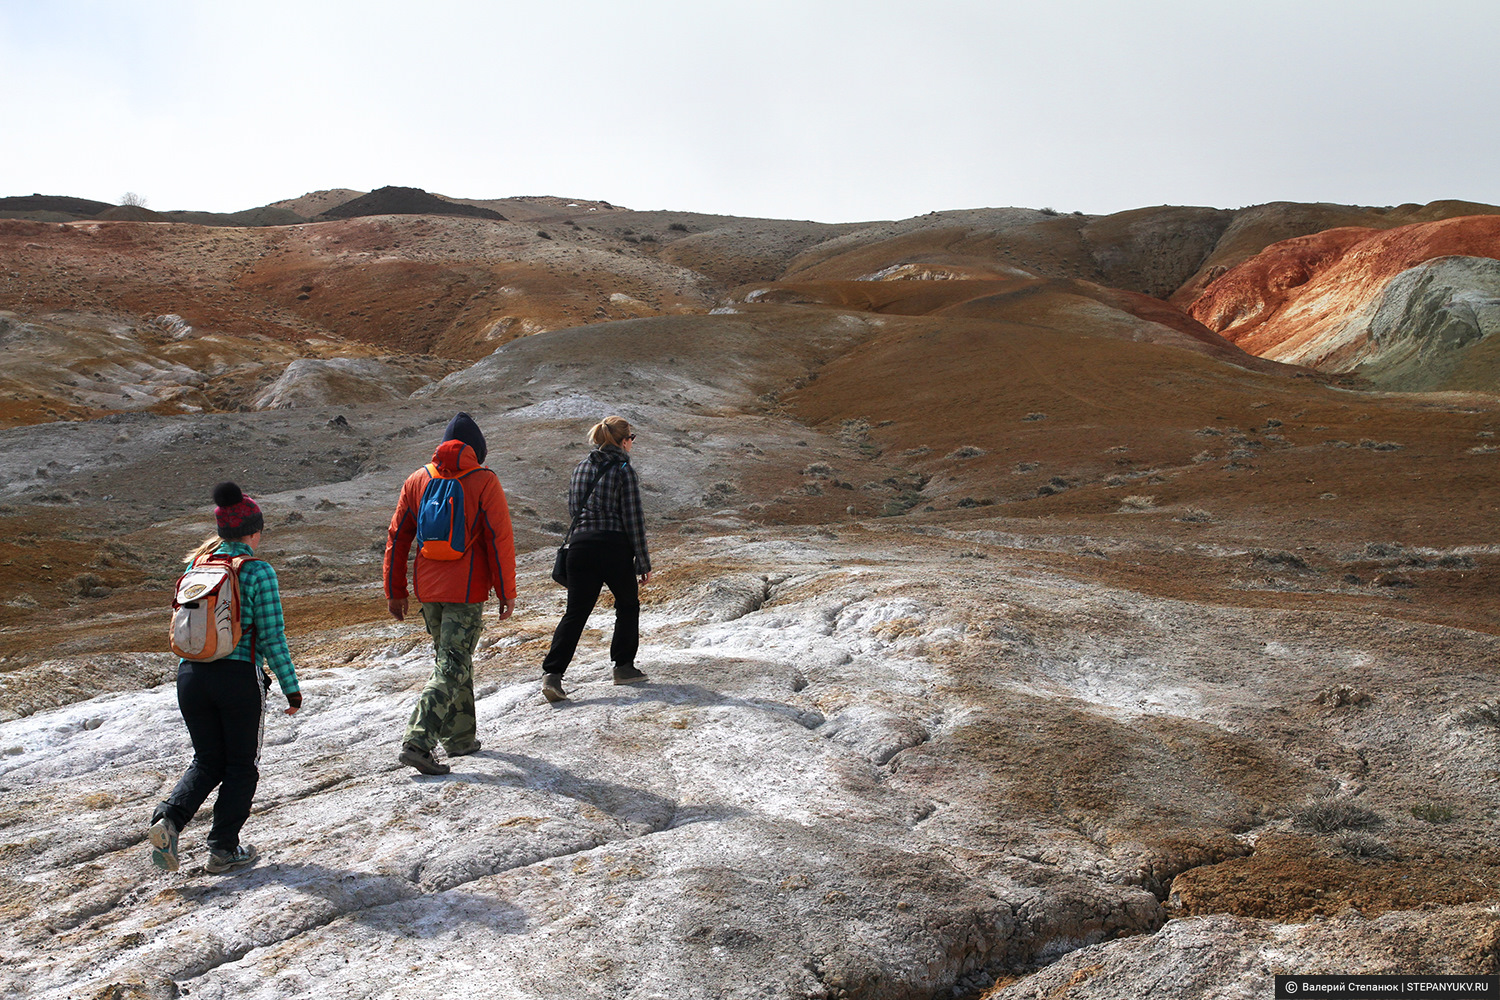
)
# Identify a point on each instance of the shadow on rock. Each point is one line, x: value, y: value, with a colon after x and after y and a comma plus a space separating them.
x: 696, y: 694
x: 624, y: 804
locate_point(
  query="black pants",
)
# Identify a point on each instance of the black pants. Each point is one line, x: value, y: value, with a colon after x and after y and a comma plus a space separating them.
x: 594, y: 563
x: 222, y: 703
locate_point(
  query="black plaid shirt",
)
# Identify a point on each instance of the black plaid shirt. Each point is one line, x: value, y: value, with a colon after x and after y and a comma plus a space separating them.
x: 615, y: 504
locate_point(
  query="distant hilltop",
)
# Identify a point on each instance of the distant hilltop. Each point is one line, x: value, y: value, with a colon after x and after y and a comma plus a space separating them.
x: 315, y: 206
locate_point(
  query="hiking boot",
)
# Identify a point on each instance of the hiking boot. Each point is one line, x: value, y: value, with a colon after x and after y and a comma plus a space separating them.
x: 625, y: 673
x: 219, y: 861
x: 163, y: 836
x: 471, y: 748
x: 552, y: 688
x: 421, y: 760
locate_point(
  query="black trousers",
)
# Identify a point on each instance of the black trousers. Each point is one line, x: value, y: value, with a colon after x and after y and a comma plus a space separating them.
x: 595, y: 563
x: 222, y: 703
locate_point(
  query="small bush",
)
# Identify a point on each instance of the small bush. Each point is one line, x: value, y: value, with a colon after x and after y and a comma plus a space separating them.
x: 88, y: 585
x: 1195, y: 516
x: 1329, y: 815
x: 544, y: 234
x: 1384, y: 550
x: 967, y: 451
x: 1432, y: 812
x: 1034, y: 416
x: 1369, y: 445
x: 1363, y: 845
x: 1137, y: 502
x: 1342, y: 696
x: 678, y: 227
x: 1279, y: 560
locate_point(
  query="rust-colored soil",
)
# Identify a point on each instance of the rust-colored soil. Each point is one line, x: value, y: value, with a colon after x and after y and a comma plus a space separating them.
x: 1280, y: 302
x: 1291, y: 877
x: 1255, y: 229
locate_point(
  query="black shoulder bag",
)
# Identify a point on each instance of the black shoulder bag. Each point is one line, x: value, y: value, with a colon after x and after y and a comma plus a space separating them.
x: 560, y: 563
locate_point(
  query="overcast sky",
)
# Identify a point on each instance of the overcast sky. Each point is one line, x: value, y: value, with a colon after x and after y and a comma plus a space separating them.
x: 831, y: 111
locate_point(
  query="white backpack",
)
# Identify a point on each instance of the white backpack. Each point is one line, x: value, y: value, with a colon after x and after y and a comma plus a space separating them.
x: 206, y: 608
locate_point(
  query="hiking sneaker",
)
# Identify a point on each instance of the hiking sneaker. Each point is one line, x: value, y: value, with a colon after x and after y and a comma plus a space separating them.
x: 422, y: 760
x: 219, y: 861
x: 163, y: 835
x: 625, y: 673
x: 471, y: 748
x: 552, y: 688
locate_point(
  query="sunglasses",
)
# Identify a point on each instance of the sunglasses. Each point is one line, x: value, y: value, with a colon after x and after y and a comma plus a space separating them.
x: 629, y: 437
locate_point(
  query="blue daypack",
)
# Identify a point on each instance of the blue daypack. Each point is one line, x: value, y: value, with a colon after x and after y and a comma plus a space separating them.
x: 441, y: 519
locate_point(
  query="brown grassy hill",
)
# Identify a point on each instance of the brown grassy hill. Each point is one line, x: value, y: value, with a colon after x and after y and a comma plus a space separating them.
x: 315, y: 203
x: 1043, y: 304
x: 1147, y: 250
x: 80, y: 208
x: 130, y: 213
x: 1085, y: 436
x: 540, y: 208
x: 731, y: 251
x: 264, y: 216
x: 420, y: 284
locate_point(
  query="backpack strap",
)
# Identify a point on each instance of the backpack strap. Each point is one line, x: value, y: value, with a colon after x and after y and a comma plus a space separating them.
x: 432, y: 472
x: 235, y: 563
x: 583, y: 504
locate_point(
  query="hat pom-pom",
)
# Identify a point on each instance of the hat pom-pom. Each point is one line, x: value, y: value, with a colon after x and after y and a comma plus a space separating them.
x: 227, y: 495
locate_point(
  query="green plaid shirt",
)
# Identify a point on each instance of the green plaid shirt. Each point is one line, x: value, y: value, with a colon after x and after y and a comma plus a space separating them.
x: 260, y: 604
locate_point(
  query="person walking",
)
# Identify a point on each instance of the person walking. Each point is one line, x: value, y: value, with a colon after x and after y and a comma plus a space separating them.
x: 222, y: 701
x: 460, y: 559
x: 606, y: 546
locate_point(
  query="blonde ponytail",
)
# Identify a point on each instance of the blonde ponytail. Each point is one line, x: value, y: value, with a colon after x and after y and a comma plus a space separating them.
x: 204, y: 548
x: 611, y: 430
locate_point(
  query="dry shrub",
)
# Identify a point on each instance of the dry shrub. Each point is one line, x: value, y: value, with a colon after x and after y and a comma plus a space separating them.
x: 88, y: 585
x: 1362, y: 845
x: 1328, y: 815
x: 1432, y: 812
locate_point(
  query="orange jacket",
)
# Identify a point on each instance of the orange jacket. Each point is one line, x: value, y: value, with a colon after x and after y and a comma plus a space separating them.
x: 489, y: 559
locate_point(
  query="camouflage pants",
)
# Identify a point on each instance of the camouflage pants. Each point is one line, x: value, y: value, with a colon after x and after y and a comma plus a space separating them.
x: 445, y: 711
